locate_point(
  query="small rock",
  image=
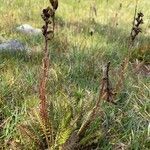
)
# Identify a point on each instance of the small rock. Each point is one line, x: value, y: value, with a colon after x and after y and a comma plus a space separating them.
x: 12, y: 45
x: 27, y: 29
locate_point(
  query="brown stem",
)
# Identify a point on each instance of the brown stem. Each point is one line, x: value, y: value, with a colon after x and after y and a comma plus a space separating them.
x: 43, y: 80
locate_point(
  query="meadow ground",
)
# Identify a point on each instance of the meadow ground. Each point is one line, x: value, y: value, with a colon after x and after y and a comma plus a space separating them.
x: 76, y: 69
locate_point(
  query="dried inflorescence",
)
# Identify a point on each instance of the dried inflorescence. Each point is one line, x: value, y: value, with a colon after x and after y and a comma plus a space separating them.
x: 106, y: 91
x: 54, y: 4
x: 136, y: 29
x: 48, y: 15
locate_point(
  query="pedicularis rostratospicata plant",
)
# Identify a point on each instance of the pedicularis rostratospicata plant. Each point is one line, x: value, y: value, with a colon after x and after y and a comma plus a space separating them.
x: 48, y: 15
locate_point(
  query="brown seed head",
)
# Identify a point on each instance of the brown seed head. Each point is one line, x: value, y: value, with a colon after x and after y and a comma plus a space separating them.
x: 54, y: 4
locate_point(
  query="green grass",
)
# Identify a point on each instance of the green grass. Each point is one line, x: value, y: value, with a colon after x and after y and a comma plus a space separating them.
x: 76, y: 69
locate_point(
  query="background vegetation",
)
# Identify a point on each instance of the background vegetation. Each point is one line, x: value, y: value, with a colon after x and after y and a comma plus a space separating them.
x: 76, y: 69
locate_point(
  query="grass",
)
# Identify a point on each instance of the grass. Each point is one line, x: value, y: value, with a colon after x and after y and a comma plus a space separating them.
x: 77, y: 59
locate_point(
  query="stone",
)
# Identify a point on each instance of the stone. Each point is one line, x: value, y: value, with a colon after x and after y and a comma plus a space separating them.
x: 29, y: 30
x: 12, y: 45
